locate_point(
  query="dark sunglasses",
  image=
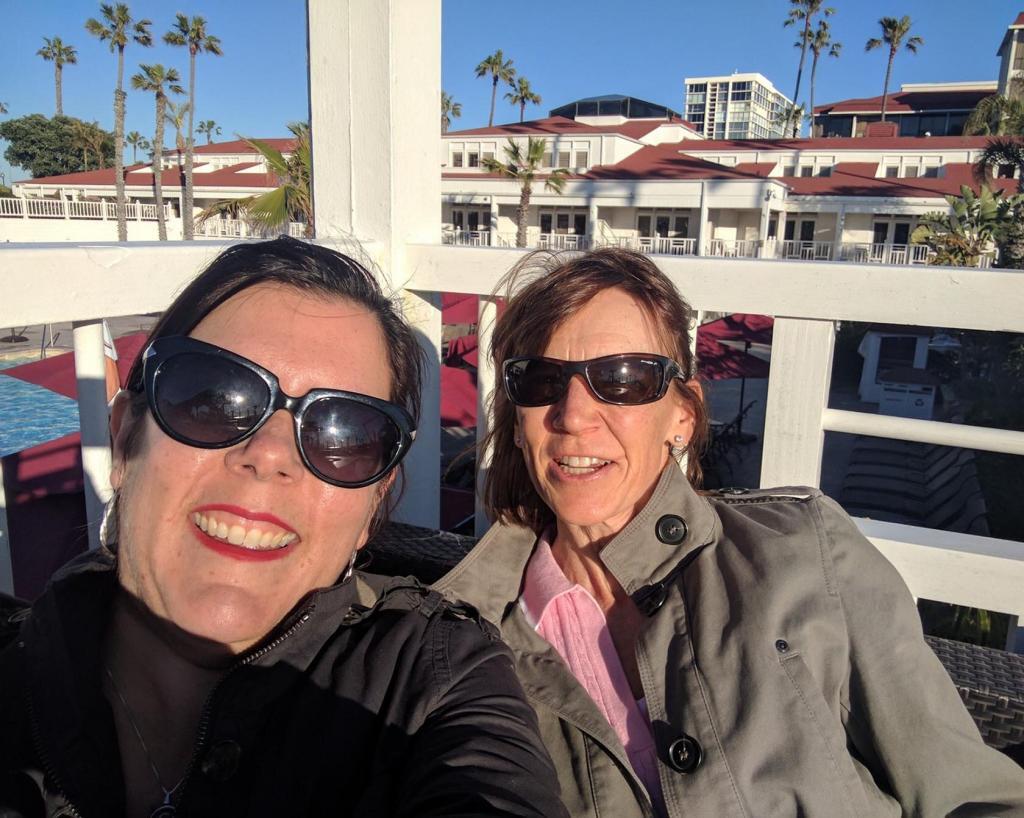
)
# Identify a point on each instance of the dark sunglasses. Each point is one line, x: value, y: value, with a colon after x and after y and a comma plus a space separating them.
x: 204, y: 396
x: 629, y: 379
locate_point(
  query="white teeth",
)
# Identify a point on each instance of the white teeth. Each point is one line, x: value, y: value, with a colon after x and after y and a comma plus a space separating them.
x: 572, y: 464
x: 252, y: 538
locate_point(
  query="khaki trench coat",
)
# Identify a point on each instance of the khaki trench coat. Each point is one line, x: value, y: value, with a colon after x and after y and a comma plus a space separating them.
x: 783, y: 666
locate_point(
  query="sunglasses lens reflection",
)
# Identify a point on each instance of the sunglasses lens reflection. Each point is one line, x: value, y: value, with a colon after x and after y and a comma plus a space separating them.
x: 209, y: 400
x: 348, y: 442
x: 627, y: 380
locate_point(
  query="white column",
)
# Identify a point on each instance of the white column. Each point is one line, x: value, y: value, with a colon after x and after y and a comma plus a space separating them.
x: 485, y: 384
x: 837, y: 242
x: 374, y: 88
x: 494, y: 223
x: 90, y: 375
x: 592, y: 233
x: 702, y: 229
x: 797, y: 395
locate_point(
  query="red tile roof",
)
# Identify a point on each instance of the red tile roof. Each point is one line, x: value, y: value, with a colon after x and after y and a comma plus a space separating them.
x: 170, y: 178
x: 755, y: 168
x: 666, y: 162
x: 563, y: 125
x: 858, y: 179
x: 907, y: 102
x: 838, y: 143
x: 240, y: 146
x: 1019, y: 21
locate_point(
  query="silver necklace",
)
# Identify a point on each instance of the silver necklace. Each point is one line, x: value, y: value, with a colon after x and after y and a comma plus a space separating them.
x: 166, y: 809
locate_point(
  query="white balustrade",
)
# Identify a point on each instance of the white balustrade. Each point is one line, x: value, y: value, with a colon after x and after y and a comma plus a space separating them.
x: 804, y: 250
x: 562, y: 241
x: 734, y: 248
x: 11, y: 207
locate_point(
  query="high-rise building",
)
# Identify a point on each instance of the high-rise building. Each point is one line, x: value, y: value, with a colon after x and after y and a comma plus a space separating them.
x: 738, y: 106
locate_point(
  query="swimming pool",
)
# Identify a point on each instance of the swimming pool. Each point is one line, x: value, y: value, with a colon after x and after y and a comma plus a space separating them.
x: 30, y: 414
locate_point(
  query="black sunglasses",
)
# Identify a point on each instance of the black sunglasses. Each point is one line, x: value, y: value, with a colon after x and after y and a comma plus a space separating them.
x: 630, y: 379
x: 204, y: 396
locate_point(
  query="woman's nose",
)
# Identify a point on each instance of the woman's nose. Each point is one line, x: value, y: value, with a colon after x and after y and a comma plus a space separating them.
x: 578, y: 408
x: 271, y: 453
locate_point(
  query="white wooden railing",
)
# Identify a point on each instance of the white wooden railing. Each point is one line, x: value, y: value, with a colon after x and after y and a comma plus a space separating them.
x: 71, y: 209
x: 467, y: 238
x: 734, y: 248
x: 241, y: 229
x: 368, y: 131
x: 805, y: 250
x: 878, y: 253
x: 562, y: 241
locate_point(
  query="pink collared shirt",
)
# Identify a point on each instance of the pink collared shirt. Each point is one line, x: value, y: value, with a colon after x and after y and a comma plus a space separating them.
x: 570, y: 619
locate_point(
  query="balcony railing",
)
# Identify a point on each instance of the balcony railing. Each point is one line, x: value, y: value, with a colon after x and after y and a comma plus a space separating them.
x: 71, y: 209
x: 467, y: 238
x: 241, y: 229
x: 734, y: 248
x: 563, y: 241
x: 804, y: 250
x: 876, y: 253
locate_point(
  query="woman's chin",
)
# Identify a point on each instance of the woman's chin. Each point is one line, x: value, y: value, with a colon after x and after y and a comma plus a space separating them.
x: 226, y: 617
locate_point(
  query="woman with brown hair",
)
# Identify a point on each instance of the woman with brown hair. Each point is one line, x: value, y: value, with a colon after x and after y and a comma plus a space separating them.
x: 745, y: 653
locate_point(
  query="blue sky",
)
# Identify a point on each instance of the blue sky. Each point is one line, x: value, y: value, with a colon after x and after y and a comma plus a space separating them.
x: 568, y: 50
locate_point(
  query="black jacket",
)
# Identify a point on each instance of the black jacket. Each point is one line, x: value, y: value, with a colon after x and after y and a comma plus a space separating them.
x: 374, y: 697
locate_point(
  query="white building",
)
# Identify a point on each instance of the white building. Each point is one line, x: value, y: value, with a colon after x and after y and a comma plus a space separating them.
x: 737, y: 106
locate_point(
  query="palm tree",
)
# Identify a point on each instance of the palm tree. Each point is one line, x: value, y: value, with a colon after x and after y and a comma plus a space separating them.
x: 157, y: 80
x: 135, y: 139
x: 1000, y: 152
x: 3, y: 107
x: 59, y: 54
x: 89, y: 137
x: 118, y: 28
x: 449, y: 108
x: 290, y: 201
x: 894, y: 35
x: 192, y: 34
x: 209, y: 128
x: 802, y: 14
x: 820, y: 41
x: 996, y: 116
x: 523, y: 166
x: 978, y: 222
x: 176, y: 115
x: 521, y: 94
x: 789, y: 117
x: 499, y: 70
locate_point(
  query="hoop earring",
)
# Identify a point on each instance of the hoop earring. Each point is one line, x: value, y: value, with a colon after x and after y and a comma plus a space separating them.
x: 108, y: 522
x: 351, y: 566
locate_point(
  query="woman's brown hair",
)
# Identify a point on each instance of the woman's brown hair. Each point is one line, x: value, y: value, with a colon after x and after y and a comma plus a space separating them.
x: 543, y: 291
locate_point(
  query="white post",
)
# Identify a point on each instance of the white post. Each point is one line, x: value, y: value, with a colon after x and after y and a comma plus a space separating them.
x: 797, y: 395
x: 485, y: 384
x: 6, y: 557
x: 702, y: 230
x: 837, y: 242
x: 493, y: 233
x: 91, y: 377
x: 374, y: 86
x: 592, y: 234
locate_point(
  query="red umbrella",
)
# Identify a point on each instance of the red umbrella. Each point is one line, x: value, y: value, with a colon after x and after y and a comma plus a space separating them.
x: 458, y: 397
x: 463, y: 350
x: 58, y: 373
x: 719, y: 362
x: 458, y: 308
x: 740, y: 326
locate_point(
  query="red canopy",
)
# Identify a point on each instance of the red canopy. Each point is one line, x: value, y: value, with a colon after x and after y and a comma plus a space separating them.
x: 463, y: 350
x: 58, y: 373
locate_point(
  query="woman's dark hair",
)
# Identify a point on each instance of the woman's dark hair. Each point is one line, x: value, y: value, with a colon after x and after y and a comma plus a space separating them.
x: 544, y: 290
x: 302, y: 266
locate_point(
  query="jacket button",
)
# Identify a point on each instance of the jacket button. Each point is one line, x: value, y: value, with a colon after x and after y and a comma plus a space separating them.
x: 782, y: 646
x: 670, y: 529
x: 222, y: 760
x: 685, y: 755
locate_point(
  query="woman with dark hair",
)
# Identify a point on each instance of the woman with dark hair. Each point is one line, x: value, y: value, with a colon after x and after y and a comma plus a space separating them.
x: 220, y: 656
x: 745, y: 653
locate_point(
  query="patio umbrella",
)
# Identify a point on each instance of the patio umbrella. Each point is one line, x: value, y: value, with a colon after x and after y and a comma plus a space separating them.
x: 740, y: 326
x: 458, y: 308
x: 718, y: 362
x: 458, y: 397
x: 463, y: 350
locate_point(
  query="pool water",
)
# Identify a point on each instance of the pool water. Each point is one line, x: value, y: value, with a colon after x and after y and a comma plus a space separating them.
x: 30, y: 414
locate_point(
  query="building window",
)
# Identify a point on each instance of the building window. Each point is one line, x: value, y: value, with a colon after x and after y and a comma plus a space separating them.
x: 562, y: 223
x: 457, y: 159
x: 473, y: 160
x: 488, y: 156
x: 548, y: 159
x: 563, y: 159
x: 1005, y: 172
x: 789, y: 170
x: 825, y: 170
x: 931, y: 171
x: 892, y: 172
x: 582, y: 159
x: 807, y: 170
x: 1018, y: 58
x: 911, y: 171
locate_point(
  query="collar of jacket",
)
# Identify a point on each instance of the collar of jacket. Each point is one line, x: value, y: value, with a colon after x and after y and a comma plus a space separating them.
x: 492, y: 574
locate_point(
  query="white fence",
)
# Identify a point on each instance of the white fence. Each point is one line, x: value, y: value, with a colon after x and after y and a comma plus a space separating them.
x: 71, y: 209
x: 372, y: 137
x: 241, y: 229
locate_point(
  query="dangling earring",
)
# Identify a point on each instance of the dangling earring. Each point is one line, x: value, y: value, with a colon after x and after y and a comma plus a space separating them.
x: 108, y: 522
x: 351, y: 565
x: 678, y: 447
